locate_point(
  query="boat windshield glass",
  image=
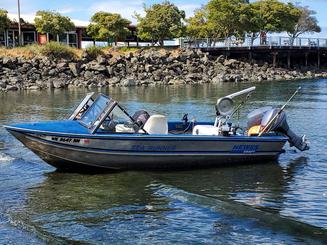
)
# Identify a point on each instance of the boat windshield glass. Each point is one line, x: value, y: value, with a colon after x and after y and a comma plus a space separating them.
x: 93, y: 113
x: 117, y: 114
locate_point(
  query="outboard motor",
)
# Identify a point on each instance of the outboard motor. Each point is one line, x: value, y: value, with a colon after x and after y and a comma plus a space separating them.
x: 280, y: 125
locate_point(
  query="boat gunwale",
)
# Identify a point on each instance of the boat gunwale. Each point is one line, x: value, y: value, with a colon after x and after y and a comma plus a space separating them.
x: 154, y: 137
x: 124, y: 152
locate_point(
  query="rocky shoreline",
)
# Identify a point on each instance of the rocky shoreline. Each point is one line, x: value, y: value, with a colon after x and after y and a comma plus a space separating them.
x: 141, y: 68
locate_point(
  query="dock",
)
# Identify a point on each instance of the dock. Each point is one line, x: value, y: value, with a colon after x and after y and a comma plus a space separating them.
x: 278, y: 51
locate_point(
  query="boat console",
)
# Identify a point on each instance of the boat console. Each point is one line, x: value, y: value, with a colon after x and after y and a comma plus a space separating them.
x: 225, y: 109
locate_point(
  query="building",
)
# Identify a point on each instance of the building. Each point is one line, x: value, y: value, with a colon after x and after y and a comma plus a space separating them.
x: 10, y: 37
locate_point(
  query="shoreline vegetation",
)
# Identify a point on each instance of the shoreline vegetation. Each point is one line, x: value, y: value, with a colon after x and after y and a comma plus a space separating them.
x: 56, y: 66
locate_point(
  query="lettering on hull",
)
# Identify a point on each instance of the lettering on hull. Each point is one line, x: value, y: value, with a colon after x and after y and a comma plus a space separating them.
x: 153, y: 148
x: 245, y: 148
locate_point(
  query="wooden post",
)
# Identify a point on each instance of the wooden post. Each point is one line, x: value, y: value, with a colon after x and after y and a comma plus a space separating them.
x: 318, y: 61
x: 289, y: 60
x: 250, y: 57
x: 274, y: 58
x: 227, y: 54
x: 306, y: 59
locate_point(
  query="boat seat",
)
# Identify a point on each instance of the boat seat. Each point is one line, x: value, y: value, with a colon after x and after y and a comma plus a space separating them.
x: 205, y: 130
x: 121, y: 128
x: 156, y: 124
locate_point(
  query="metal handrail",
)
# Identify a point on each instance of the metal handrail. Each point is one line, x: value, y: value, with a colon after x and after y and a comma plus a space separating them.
x: 271, y: 41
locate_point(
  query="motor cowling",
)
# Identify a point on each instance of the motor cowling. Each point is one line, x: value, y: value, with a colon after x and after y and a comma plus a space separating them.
x: 280, y: 125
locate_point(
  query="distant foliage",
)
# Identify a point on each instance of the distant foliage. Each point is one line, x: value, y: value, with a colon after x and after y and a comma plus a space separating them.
x: 161, y: 21
x: 108, y: 25
x: 4, y: 20
x: 52, y: 23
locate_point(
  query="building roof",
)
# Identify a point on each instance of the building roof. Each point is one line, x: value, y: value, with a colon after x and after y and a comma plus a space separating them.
x: 30, y: 19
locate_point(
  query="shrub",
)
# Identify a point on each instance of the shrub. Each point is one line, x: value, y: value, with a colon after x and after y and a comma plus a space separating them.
x: 94, y: 51
x: 57, y: 50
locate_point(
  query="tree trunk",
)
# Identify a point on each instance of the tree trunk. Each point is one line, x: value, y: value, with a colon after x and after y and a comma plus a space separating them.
x: 252, y: 40
x: 292, y: 39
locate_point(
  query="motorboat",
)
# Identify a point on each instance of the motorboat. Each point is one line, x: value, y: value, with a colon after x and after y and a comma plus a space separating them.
x: 101, y: 134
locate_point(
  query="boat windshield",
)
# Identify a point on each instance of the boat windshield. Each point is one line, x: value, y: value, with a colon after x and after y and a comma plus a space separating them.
x: 94, y: 112
x: 106, y: 114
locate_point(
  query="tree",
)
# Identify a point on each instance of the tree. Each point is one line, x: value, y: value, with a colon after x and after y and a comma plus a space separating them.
x: 108, y: 25
x: 52, y: 23
x: 273, y: 16
x: 161, y: 21
x: 4, y: 20
x: 223, y: 16
x: 267, y: 16
x: 198, y: 25
x: 306, y: 23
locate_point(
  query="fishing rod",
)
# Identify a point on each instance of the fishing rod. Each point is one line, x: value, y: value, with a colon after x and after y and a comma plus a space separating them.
x: 279, y: 112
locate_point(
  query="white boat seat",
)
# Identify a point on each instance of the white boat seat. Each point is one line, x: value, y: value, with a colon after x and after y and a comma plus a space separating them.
x: 205, y: 130
x: 121, y: 128
x: 156, y: 124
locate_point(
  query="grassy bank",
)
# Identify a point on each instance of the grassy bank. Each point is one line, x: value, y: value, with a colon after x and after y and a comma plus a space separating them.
x: 60, y: 51
x: 51, y: 49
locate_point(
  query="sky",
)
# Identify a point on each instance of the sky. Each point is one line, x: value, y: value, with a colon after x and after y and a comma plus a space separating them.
x: 80, y: 11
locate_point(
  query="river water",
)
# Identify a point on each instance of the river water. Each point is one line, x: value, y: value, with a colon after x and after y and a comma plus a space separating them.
x: 283, y: 202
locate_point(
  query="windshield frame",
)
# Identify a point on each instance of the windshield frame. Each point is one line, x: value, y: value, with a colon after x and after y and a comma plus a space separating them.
x: 81, y: 106
x: 96, y: 120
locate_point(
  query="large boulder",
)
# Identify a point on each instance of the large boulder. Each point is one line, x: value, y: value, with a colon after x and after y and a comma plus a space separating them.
x: 98, y: 67
x: 128, y: 82
x: 3, y: 84
x: 113, y: 80
x: 11, y: 88
x: 88, y: 74
x: 101, y: 60
x: 220, y: 59
x: 59, y: 83
x: 74, y: 68
x: 217, y: 79
x: 62, y: 65
x: 231, y: 63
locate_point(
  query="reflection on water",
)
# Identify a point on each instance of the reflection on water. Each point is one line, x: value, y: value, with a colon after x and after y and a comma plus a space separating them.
x: 277, y: 202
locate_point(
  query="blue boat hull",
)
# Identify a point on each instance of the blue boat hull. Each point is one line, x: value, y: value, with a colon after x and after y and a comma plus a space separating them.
x: 79, y: 151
